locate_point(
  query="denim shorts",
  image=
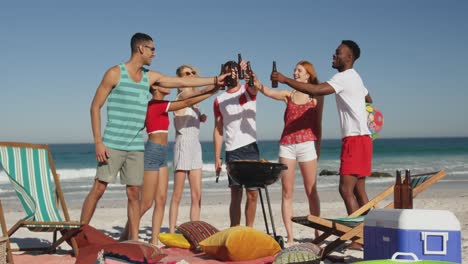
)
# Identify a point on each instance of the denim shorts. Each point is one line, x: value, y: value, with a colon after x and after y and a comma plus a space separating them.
x: 247, y: 152
x: 155, y: 156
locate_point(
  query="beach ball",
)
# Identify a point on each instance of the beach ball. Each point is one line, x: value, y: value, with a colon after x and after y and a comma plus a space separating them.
x: 375, y: 120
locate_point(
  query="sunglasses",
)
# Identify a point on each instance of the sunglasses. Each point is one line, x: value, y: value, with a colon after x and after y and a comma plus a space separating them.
x: 151, y: 48
x: 190, y: 73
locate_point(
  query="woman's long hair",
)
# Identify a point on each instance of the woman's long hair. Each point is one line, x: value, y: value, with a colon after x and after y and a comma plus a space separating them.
x: 309, y: 67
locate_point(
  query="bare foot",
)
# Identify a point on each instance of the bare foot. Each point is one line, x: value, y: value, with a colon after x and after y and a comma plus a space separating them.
x: 355, y: 246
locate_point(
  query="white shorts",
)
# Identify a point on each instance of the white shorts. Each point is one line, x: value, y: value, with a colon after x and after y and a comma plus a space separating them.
x: 301, y: 152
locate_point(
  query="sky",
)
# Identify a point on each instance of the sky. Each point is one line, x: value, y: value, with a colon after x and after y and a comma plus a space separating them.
x: 413, y: 58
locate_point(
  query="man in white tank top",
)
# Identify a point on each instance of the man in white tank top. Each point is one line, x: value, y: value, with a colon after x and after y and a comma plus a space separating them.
x: 235, y: 116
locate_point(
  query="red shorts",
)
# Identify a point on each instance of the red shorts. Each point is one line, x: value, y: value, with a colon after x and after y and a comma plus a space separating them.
x: 356, y: 156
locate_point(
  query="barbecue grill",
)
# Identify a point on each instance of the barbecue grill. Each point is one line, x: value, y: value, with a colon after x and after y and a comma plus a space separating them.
x: 258, y: 174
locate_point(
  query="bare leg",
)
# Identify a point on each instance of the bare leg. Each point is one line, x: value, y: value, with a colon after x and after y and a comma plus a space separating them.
x: 89, y: 205
x: 251, y: 207
x: 133, y: 210
x: 360, y: 191
x: 235, y: 206
x: 309, y: 174
x: 287, y: 183
x: 195, y: 177
x: 179, y: 180
x: 160, y: 203
x: 347, y: 185
x: 148, y: 189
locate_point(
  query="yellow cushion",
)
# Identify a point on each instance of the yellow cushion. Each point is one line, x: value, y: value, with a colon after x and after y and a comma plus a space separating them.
x: 174, y: 240
x: 240, y: 243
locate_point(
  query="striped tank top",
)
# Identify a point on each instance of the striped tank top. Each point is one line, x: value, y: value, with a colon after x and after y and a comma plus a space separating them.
x: 126, y: 112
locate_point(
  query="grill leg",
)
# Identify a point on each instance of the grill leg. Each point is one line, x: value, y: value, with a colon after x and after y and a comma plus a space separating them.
x: 263, y: 210
x: 271, y: 214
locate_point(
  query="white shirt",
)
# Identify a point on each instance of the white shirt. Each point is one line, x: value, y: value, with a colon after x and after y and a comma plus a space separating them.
x: 350, y: 94
x: 238, y: 110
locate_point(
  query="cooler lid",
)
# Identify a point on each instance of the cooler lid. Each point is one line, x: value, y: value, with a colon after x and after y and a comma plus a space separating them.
x: 410, y: 219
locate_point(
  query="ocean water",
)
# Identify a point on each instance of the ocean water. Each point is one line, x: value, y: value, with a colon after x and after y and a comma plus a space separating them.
x: 77, y: 166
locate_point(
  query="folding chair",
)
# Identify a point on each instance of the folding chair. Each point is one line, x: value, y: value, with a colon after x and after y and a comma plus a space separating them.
x: 351, y: 227
x: 31, y: 170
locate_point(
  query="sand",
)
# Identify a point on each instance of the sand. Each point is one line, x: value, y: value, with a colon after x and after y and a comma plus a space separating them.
x: 110, y: 216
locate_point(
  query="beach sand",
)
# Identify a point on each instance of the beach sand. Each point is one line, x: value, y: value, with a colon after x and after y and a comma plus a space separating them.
x: 110, y: 215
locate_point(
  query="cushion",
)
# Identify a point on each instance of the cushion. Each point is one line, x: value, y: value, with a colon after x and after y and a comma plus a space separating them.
x: 300, y: 253
x: 174, y: 240
x: 134, y: 252
x: 196, y: 231
x: 130, y: 251
x: 240, y: 243
x: 89, y: 235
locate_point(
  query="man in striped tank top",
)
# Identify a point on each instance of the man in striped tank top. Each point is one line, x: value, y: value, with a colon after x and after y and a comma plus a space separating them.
x: 120, y: 151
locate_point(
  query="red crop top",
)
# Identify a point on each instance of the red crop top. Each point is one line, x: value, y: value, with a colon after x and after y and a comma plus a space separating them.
x: 157, y: 118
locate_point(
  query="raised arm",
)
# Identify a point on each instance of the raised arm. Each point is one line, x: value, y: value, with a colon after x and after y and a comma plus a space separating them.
x: 205, y: 93
x: 178, y: 82
x: 280, y: 95
x: 308, y: 88
x: 109, y: 81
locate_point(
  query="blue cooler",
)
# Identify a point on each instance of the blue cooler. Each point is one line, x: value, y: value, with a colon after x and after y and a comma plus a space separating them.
x: 429, y: 234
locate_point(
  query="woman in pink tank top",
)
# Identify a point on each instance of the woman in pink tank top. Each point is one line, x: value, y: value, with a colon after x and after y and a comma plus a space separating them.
x: 300, y: 141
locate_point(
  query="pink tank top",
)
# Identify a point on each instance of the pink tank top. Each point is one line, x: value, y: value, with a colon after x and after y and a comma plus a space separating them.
x: 298, y: 123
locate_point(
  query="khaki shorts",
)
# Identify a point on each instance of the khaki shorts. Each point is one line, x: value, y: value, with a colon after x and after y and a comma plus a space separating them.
x: 128, y: 163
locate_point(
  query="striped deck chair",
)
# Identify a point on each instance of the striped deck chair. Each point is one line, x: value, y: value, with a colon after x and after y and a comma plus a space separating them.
x: 352, y: 226
x: 31, y: 171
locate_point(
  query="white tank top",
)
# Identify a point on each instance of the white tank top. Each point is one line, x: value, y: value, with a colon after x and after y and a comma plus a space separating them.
x: 239, y: 111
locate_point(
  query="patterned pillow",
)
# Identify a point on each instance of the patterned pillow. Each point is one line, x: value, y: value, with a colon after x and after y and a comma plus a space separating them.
x: 300, y: 253
x: 196, y: 231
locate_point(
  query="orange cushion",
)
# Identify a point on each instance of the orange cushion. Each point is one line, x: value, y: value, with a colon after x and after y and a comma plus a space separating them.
x: 240, y: 243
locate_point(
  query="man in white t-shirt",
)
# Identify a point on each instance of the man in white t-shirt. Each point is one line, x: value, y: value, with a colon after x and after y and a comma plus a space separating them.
x: 235, y: 113
x: 351, y: 97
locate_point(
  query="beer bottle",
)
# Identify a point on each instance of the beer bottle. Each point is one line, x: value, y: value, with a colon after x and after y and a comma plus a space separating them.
x: 397, y: 191
x: 274, y: 84
x: 241, y: 71
x: 250, y: 73
x: 408, y: 190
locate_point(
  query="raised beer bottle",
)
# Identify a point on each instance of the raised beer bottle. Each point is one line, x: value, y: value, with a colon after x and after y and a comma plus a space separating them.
x: 274, y: 84
x: 408, y: 191
x: 250, y: 73
x: 397, y: 191
x: 241, y: 71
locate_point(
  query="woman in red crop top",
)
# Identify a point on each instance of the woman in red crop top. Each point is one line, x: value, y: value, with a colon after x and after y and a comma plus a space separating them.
x: 156, y: 178
x: 300, y: 141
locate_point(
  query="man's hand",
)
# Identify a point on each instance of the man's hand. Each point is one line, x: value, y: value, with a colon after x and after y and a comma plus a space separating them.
x: 218, y: 166
x: 221, y: 78
x: 203, y: 118
x: 277, y: 76
x: 102, y: 153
